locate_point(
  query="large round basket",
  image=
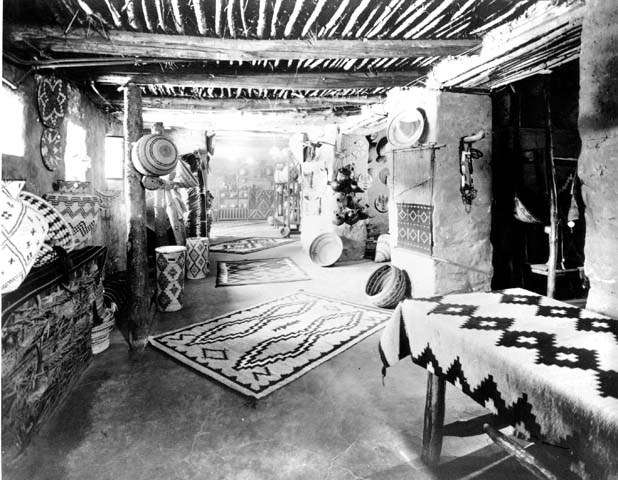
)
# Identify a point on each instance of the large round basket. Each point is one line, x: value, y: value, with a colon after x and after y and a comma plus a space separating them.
x: 325, y: 249
x: 387, y: 286
x: 154, y: 154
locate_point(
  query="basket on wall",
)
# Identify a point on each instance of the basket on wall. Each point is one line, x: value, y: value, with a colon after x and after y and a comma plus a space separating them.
x: 100, y: 333
x: 154, y: 154
x: 387, y: 286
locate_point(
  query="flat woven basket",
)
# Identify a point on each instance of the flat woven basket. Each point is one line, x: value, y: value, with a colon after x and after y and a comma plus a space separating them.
x: 387, y: 286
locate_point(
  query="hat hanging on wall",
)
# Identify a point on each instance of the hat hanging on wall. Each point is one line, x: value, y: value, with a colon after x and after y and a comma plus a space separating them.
x: 405, y: 128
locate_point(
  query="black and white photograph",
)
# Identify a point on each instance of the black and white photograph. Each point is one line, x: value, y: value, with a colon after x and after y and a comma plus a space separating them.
x: 309, y: 240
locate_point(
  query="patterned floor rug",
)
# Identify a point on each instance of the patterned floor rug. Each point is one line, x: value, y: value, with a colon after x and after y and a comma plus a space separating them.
x: 263, y: 270
x: 260, y: 349
x: 249, y: 245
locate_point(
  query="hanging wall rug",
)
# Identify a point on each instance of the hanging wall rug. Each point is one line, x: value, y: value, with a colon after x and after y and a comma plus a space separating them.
x: 253, y: 272
x: 249, y: 245
x: 259, y: 350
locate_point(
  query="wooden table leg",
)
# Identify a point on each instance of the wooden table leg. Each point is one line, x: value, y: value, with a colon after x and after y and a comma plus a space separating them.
x: 434, y: 419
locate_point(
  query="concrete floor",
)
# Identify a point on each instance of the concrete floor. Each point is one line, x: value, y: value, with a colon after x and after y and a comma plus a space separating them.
x: 149, y: 417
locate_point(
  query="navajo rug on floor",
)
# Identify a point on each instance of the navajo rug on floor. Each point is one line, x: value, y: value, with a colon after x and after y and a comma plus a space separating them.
x: 262, y: 348
x: 249, y: 245
x: 263, y: 270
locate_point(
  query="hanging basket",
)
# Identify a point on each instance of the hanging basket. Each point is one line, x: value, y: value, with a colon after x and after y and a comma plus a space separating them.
x: 387, y: 286
x: 154, y: 154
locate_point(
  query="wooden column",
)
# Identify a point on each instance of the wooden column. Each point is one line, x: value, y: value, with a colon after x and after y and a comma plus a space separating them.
x: 434, y: 419
x: 140, y: 318
x: 553, y: 192
x: 160, y: 213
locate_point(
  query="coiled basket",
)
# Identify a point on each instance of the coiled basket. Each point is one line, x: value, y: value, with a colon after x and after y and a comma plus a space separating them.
x: 387, y: 286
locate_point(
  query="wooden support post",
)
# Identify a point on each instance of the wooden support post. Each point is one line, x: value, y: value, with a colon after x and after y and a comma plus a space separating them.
x: 159, y: 204
x: 553, y: 192
x: 434, y: 419
x: 526, y: 459
x: 137, y: 261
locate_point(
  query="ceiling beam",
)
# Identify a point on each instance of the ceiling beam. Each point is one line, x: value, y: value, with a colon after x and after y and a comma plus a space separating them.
x: 239, y: 121
x: 255, y: 105
x: 289, y: 81
x: 186, y: 47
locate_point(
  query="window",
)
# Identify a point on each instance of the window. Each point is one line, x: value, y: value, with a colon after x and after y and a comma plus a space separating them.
x: 12, y: 123
x: 76, y: 159
x: 114, y: 157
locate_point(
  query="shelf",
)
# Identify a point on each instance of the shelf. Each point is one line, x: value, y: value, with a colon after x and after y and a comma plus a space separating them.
x: 541, y: 269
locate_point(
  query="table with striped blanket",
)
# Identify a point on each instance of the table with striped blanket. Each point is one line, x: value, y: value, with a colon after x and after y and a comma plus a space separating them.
x: 548, y: 368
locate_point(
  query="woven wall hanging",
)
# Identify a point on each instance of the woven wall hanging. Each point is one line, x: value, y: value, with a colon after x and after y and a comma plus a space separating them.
x: 52, y: 100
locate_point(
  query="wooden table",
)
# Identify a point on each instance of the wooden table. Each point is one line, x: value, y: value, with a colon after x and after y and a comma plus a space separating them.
x: 543, y: 366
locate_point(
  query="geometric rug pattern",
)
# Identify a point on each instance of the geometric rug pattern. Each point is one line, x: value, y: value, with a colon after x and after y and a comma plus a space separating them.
x: 549, y: 368
x: 249, y: 245
x: 257, y: 350
x: 257, y: 271
x: 414, y: 227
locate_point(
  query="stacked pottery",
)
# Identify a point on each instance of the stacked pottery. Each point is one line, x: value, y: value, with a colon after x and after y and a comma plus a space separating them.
x: 197, y: 257
x: 170, y: 277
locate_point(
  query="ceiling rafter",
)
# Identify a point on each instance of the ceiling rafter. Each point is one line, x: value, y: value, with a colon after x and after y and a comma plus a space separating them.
x: 185, y: 47
x: 298, y: 81
x: 251, y: 104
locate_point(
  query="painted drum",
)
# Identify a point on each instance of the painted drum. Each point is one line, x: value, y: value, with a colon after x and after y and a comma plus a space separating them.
x: 197, y: 258
x: 154, y: 154
x: 170, y: 264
